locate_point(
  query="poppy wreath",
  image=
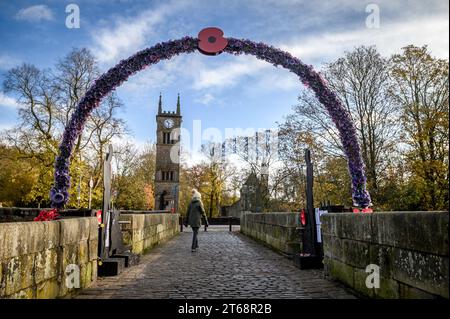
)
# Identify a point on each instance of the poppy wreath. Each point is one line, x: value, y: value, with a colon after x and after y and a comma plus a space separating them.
x: 47, y: 215
x: 115, y: 76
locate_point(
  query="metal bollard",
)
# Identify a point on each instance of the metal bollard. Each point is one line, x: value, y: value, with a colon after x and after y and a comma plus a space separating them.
x: 181, y: 224
x: 229, y: 223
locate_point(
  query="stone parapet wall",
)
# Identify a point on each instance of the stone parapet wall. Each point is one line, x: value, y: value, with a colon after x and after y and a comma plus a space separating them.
x: 144, y: 231
x: 410, y: 248
x: 277, y: 230
x: 34, y: 257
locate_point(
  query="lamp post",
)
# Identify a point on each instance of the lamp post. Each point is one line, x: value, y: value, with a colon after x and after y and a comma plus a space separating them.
x: 79, y: 183
x: 91, y: 185
x: 79, y: 192
x: 311, y: 252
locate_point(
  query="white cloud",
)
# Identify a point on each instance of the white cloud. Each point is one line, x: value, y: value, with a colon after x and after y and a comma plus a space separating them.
x: 228, y: 74
x: 35, y: 13
x: 129, y: 140
x: 6, y: 126
x: 130, y: 34
x: 7, y: 62
x: 388, y: 39
x: 205, y: 99
x: 7, y: 101
x: 158, y: 76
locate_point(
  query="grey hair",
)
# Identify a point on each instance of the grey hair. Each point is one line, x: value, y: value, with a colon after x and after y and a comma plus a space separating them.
x: 196, y: 194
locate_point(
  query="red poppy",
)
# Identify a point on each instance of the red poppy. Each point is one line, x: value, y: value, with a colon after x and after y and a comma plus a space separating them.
x: 46, y: 215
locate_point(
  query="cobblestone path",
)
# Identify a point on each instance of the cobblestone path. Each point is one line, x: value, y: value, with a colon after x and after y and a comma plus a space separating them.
x: 227, y: 265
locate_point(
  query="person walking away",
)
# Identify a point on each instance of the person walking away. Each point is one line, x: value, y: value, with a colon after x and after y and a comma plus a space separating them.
x: 194, y: 215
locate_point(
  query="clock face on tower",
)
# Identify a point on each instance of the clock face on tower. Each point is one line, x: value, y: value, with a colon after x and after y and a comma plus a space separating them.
x: 168, y: 123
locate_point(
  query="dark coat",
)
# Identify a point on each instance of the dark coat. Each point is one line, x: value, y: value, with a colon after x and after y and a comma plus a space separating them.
x: 194, y: 214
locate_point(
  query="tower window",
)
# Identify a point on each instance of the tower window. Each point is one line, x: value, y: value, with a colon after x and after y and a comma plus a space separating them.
x: 167, y: 175
x: 166, y: 137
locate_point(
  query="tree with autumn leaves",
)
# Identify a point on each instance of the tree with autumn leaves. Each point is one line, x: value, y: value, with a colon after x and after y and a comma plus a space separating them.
x: 399, y: 105
x: 400, y: 109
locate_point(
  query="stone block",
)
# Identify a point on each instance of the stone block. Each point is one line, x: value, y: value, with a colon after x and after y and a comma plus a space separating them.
x: 340, y: 271
x: 138, y: 247
x: 389, y: 289
x: 423, y: 271
x: 149, y: 242
x: 93, y: 249
x: 28, y: 293
x: 408, y: 292
x: 74, y: 230
x: 138, y: 222
x: 21, y: 239
x: 48, y: 289
x: 383, y: 256
x: 85, y: 275
x: 94, y: 266
x: 137, y: 235
x: 19, y: 274
x: 83, y: 252
x: 52, y: 234
x: 421, y: 231
x: 337, y: 249
x: 125, y: 226
x: 149, y: 231
x: 330, y: 223
x: 356, y: 253
x: 354, y: 226
x: 46, y: 265
x: 327, y: 245
x: 70, y: 255
x: 126, y: 237
x: 359, y: 284
x: 93, y: 228
x: 291, y: 220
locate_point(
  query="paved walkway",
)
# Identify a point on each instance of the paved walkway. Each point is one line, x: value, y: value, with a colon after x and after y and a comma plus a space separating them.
x: 227, y: 265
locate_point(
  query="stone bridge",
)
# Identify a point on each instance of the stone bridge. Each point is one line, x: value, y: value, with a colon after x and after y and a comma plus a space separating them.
x: 410, y: 250
x: 227, y: 265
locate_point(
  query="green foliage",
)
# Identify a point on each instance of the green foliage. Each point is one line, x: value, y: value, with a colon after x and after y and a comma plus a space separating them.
x: 17, y: 178
x: 134, y: 181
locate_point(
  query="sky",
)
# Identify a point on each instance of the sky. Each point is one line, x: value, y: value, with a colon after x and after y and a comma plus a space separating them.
x: 222, y: 91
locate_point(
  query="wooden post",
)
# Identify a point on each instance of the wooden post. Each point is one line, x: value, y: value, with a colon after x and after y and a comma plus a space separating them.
x: 104, y: 230
x: 310, y: 231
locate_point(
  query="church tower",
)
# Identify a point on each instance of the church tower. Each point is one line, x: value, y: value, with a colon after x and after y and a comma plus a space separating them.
x: 167, y: 168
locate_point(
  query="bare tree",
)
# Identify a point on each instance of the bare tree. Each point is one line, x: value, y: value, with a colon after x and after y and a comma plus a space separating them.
x: 35, y: 134
x: 361, y: 81
x: 47, y: 100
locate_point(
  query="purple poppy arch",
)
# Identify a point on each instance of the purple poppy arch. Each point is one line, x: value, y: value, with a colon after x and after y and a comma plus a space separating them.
x: 115, y: 76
